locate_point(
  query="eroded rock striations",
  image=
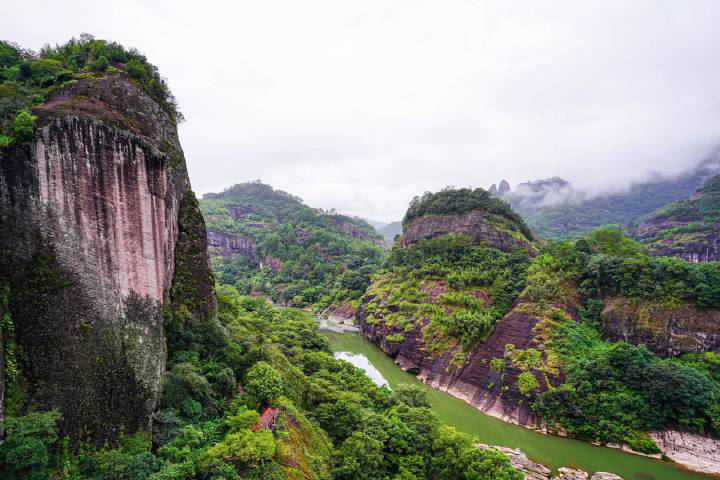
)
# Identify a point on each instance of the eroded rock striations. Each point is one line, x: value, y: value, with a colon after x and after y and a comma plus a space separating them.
x: 688, y: 229
x: 224, y: 244
x: 666, y: 330
x: 97, y: 220
x: 687, y: 448
x: 473, y: 223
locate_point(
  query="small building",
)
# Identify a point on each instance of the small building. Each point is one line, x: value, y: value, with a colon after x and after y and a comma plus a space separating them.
x: 267, y: 419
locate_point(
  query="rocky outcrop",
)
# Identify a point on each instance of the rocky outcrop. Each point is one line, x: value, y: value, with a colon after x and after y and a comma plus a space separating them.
x: 222, y: 244
x: 474, y: 380
x: 696, y: 247
x: 91, y: 226
x: 687, y: 229
x: 699, y: 452
x: 349, y: 228
x: 474, y: 224
x: 343, y: 314
x: 571, y: 474
x: 531, y: 470
x: 535, y: 471
x: 666, y: 330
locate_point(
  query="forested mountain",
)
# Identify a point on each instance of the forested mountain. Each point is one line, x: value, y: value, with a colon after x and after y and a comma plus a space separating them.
x: 554, y: 209
x: 587, y: 336
x: 267, y: 241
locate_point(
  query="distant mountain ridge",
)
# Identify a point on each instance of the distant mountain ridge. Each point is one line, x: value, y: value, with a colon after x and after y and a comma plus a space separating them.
x: 554, y: 209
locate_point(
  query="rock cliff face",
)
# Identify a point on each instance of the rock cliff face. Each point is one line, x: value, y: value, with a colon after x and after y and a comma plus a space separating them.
x: 92, y: 224
x: 475, y: 380
x: 688, y: 229
x: 694, y: 247
x: 227, y: 244
x: 700, y: 452
x: 665, y: 330
x: 348, y: 228
x: 472, y: 223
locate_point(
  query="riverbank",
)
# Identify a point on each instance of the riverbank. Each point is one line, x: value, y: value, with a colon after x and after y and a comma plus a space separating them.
x: 553, y: 451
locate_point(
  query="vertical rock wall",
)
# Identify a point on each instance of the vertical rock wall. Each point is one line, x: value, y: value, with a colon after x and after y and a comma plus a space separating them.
x: 90, y: 214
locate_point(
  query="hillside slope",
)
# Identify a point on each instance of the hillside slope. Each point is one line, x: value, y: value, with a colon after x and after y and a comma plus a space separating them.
x: 267, y: 241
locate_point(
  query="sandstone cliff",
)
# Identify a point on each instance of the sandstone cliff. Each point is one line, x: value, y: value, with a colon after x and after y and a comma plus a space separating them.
x: 474, y: 379
x: 667, y: 330
x: 101, y: 234
x: 688, y: 229
x: 224, y: 244
x: 479, y: 225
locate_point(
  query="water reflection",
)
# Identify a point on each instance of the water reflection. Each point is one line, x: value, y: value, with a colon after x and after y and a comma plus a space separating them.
x: 361, y: 361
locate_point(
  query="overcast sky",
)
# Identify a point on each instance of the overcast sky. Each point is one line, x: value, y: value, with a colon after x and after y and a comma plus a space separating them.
x: 360, y: 105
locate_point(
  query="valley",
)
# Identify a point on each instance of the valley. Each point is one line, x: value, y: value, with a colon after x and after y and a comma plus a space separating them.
x: 551, y: 451
x: 147, y: 334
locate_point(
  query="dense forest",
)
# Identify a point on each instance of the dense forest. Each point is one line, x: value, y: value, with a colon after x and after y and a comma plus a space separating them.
x: 615, y: 391
x: 332, y: 421
x: 309, y: 256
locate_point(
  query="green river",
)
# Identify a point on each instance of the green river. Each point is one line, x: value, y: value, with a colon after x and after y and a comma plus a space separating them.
x: 554, y: 452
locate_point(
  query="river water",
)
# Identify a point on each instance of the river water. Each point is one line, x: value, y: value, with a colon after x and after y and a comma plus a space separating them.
x: 554, y: 452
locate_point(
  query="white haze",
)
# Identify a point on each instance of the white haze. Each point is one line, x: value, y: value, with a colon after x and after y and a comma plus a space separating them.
x: 359, y: 105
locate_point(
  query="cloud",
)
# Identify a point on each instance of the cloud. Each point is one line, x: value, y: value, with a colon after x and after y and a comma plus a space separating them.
x: 362, y: 105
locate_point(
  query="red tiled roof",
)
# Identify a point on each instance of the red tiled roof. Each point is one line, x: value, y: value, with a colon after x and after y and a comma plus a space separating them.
x: 267, y: 419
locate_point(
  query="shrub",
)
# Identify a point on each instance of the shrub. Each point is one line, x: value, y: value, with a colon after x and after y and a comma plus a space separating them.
x: 28, y: 446
x: 263, y: 384
x: 527, y: 383
x: 25, y: 127
x: 101, y: 64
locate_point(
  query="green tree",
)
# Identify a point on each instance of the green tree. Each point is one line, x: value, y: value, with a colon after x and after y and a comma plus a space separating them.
x: 101, y: 64
x: 24, y: 127
x: 360, y: 457
x: 29, y: 443
x: 264, y: 384
x: 409, y: 394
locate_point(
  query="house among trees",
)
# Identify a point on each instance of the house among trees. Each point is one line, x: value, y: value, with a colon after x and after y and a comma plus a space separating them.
x: 267, y: 419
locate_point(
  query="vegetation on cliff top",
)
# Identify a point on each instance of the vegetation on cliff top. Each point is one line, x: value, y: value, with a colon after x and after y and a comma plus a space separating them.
x: 27, y: 78
x: 457, y: 201
x: 309, y: 256
x: 458, y: 288
x: 334, y: 422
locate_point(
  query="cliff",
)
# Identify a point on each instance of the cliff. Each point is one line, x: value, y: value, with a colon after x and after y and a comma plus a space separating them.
x: 687, y: 229
x: 666, y: 330
x: 475, y: 379
x: 224, y: 244
x: 101, y: 235
x: 484, y: 228
x: 447, y: 308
